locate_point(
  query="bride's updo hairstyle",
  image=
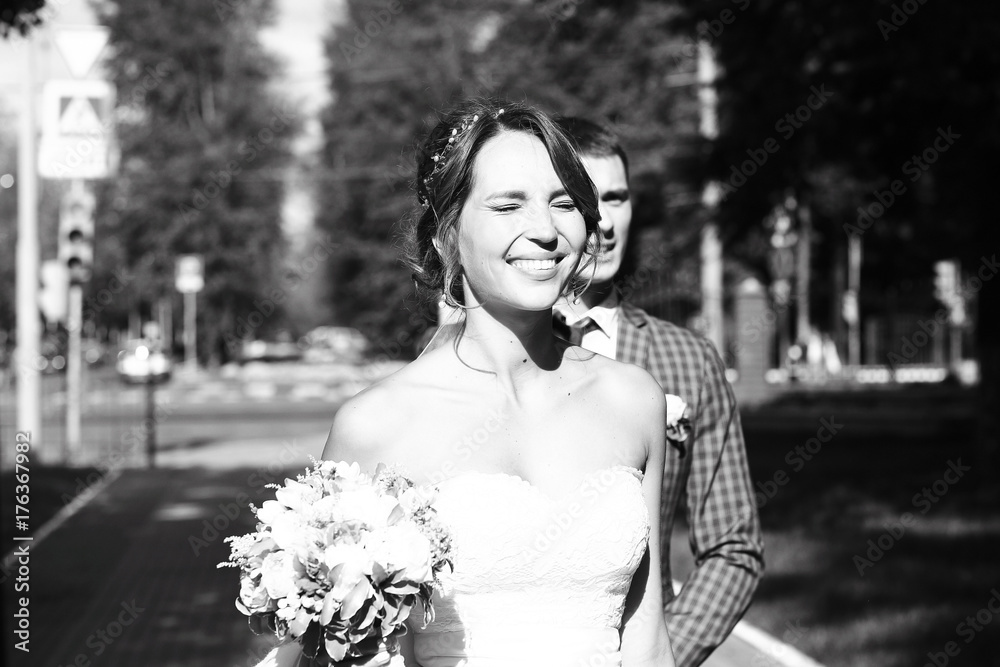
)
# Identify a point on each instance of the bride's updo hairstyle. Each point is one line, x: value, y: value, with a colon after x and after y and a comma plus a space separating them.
x: 444, y: 180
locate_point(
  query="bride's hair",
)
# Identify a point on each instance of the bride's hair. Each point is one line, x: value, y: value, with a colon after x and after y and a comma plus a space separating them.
x: 444, y: 179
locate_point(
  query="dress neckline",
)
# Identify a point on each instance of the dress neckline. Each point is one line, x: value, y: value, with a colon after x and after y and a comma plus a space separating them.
x: 521, y: 481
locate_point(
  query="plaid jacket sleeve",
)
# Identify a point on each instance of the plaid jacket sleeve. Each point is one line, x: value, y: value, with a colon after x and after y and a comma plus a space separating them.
x: 712, y: 480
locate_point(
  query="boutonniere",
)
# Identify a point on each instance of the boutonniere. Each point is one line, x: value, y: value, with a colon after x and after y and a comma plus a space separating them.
x: 678, y: 418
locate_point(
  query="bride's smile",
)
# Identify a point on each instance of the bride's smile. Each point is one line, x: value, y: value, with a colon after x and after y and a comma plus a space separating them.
x: 520, y: 235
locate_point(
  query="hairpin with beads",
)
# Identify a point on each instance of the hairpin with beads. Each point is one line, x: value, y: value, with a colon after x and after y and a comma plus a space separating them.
x: 439, y: 157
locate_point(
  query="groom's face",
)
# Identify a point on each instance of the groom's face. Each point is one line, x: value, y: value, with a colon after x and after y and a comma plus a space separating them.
x: 608, y: 174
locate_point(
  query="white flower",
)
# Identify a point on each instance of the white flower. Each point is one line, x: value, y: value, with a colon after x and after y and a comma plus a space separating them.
x: 337, y: 548
x: 350, y: 475
x: 253, y: 596
x: 278, y: 574
x: 296, y: 496
x: 415, y: 497
x: 271, y: 511
x: 675, y: 408
x: 404, y: 549
x: 349, y: 564
x: 678, y: 425
x: 288, y: 529
x: 363, y: 504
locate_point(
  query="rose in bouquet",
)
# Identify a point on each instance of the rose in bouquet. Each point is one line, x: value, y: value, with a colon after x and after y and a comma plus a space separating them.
x: 678, y: 419
x: 339, y: 558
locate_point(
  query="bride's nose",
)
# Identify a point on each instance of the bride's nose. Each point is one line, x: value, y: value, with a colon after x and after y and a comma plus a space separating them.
x: 541, y: 227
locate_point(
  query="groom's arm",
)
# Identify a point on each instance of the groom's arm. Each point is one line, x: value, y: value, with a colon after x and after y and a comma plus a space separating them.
x: 723, y: 523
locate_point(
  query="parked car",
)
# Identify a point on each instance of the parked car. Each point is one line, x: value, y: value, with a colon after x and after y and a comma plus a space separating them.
x: 266, y: 350
x: 329, y: 344
x: 143, y: 361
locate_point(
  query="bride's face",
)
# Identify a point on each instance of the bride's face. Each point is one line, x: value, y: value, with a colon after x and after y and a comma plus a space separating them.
x: 520, y: 236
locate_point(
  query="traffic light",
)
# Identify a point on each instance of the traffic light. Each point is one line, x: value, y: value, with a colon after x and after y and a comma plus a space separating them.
x: 76, y: 235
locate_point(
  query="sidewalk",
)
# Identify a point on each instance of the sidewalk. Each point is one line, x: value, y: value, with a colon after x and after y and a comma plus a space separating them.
x: 130, y: 579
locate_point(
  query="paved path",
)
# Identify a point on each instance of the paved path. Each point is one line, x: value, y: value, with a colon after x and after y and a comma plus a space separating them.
x: 130, y: 578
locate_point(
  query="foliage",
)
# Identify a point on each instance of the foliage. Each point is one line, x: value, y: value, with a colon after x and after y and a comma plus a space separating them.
x: 913, y: 100
x: 8, y: 230
x: 202, y: 142
x: 20, y: 16
x: 390, y: 70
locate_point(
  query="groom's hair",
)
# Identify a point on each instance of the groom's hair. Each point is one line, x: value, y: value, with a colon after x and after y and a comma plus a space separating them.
x: 592, y: 139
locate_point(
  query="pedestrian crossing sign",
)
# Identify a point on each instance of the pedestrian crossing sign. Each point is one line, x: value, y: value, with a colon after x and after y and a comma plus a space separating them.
x: 77, y: 129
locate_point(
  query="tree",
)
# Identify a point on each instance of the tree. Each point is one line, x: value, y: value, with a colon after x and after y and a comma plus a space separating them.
x: 390, y: 70
x: 203, y: 141
x: 8, y: 228
x: 905, y: 135
x: 20, y: 16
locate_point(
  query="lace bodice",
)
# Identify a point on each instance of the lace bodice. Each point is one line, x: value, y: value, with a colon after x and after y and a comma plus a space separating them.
x: 537, y: 580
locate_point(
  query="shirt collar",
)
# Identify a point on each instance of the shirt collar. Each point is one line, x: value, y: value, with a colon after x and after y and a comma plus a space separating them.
x: 604, y: 314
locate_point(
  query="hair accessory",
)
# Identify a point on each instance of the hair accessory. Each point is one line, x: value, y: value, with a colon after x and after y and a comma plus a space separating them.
x: 439, y: 157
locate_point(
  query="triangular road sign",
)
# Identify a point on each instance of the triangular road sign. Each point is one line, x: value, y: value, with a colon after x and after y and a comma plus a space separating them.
x: 81, y: 46
x: 79, y: 117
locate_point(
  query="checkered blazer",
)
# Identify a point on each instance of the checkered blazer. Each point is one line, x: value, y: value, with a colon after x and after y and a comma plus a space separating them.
x: 711, y: 475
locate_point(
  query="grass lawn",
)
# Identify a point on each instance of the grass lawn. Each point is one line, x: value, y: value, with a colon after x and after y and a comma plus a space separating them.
x: 863, y: 566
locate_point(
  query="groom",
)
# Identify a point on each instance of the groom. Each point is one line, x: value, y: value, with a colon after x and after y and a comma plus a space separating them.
x: 706, y: 474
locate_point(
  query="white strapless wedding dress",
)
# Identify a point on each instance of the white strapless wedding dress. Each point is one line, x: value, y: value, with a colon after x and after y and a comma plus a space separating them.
x: 538, y: 581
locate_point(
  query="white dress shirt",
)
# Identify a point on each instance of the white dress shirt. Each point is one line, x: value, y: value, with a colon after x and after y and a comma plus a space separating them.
x: 602, y: 339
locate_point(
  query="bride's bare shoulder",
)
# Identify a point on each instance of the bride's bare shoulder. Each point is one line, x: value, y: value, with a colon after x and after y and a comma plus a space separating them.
x: 369, y: 426
x: 624, y: 385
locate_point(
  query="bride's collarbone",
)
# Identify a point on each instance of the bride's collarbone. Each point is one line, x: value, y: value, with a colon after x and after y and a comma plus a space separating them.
x: 496, y: 441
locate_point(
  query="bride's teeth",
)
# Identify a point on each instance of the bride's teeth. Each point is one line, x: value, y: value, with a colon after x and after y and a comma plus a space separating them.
x: 534, y: 264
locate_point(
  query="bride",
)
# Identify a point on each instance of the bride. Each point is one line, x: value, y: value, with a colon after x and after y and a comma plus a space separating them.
x: 548, y: 458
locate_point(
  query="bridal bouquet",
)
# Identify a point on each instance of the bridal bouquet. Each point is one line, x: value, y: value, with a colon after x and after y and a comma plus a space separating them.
x: 339, y: 559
